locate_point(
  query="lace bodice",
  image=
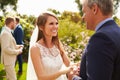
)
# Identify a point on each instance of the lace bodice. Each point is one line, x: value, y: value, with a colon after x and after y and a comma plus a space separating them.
x: 51, y: 60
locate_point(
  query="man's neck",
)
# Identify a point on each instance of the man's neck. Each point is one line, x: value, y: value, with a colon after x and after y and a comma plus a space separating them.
x: 100, y: 19
x: 9, y: 27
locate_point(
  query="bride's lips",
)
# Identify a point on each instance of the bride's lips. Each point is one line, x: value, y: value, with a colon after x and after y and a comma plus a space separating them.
x: 54, y: 31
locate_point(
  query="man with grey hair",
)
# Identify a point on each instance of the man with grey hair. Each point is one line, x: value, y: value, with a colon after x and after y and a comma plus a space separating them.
x: 101, y: 58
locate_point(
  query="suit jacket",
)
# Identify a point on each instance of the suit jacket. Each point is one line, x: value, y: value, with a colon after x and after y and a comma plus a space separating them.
x: 9, y: 49
x: 101, y: 59
x: 18, y: 35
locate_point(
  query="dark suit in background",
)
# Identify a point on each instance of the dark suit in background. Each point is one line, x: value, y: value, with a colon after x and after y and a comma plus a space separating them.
x: 18, y: 35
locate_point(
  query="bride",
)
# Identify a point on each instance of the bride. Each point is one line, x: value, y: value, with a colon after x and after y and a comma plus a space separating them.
x: 46, y: 55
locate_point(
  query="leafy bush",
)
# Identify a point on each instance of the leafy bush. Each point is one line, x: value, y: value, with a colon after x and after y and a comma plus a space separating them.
x: 74, y: 37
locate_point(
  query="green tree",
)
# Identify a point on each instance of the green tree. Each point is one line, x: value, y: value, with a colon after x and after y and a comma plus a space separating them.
x: 115, y: 3
x: 5, y: 3
x: 79, y: 6
x: 72, y: 16
x: 54, y: 11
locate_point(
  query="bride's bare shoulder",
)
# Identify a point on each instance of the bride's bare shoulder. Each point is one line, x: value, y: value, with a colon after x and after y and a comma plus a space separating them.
x: 34, y: 49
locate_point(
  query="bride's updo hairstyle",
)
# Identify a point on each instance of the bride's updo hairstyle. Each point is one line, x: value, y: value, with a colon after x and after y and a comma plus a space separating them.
x: 41, y: 21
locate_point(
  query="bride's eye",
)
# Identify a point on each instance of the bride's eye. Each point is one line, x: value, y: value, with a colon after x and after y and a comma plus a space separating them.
x: 51, y: 23
x: 56, y: 23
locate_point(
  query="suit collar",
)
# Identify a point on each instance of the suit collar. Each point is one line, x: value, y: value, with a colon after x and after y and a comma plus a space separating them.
x: 8, y: 29
x: 107, y: 24
x: 102, y: 23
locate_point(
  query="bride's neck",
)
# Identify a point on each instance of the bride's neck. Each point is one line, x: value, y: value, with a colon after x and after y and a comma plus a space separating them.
x: 47, y: 43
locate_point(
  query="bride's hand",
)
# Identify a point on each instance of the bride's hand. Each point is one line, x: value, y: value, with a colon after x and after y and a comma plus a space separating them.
x: 67, y: 70
x: 75, y: 71
x: 76, y: 68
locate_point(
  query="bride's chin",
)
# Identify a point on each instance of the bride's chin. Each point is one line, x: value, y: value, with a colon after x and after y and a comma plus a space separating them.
x: 55, y: 35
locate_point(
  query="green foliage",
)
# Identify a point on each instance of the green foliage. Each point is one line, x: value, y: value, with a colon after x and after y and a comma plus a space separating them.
x: 27, y: 28
x: 4, y: 3
x: 72, y: 16
x: 19, y: 77
x: 74, y: 37
x: 117, y: 20
x: 116, y: 4
x: 2, y: 72
x: 1, y: 22
x: 79, y: 6
x: 54, y: 11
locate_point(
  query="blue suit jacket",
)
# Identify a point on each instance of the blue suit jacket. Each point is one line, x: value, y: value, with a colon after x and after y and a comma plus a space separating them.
x: 101, y: 59
x: 19, y: 35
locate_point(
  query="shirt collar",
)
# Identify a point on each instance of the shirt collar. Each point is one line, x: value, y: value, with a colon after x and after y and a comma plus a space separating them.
x: 102, y: 22
x: 8, y: 29
x: 16, y: 26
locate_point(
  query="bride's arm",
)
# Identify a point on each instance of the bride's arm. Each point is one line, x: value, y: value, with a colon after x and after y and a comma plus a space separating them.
x: 64, y: 56
x: 39, y: 69
x: 65, y: 59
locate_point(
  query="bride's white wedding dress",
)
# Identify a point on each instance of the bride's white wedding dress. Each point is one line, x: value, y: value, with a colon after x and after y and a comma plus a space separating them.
x: 51, y: 63
x: 51, y: 60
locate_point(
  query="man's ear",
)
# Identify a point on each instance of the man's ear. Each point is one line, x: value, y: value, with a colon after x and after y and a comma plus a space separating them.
x: 95, y: 8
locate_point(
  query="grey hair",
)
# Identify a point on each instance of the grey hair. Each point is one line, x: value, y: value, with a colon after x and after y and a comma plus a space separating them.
x: 106, y: 6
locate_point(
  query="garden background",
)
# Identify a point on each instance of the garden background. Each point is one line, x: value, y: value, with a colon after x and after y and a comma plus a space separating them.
x: 72, y: 33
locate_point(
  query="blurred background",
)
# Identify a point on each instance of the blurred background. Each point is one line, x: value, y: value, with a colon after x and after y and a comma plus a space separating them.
x: 72, y: 31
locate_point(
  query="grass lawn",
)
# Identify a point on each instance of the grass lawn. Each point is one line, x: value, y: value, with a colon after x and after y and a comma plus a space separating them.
x: 19, y: 77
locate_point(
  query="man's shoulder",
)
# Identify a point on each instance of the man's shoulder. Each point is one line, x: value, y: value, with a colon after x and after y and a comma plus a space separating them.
x: 4, y: 32
x: 18, y: 28
x: 4, y: 35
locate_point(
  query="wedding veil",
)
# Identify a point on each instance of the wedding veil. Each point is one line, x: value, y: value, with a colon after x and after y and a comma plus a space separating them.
x: 31, y: 75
